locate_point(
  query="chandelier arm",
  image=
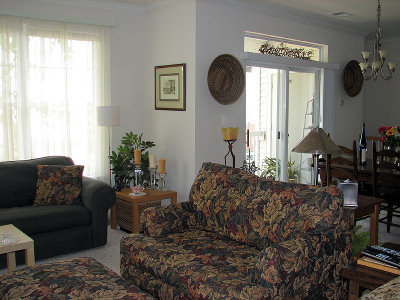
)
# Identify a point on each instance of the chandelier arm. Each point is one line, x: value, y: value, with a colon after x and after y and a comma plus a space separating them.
x: 365, y: 73
x: 388, y: 76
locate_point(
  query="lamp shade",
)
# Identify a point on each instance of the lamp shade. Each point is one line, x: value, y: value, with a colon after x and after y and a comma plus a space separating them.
x: 108, y: 115
x: 317, y: 142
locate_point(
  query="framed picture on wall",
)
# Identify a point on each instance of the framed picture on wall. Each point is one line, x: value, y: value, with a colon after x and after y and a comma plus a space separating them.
x: 170, y: 87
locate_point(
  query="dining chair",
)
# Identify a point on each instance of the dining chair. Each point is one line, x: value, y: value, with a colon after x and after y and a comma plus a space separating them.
x: 376, y: 139
x: 385, y: 184
x: 343, y: 166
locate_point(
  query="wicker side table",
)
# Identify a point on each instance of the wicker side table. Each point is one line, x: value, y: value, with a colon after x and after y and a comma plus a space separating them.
x: 127, y: 209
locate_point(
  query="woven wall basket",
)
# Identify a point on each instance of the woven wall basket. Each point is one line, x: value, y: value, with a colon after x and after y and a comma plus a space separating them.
x: 352, y: 78
x: 226, y: 79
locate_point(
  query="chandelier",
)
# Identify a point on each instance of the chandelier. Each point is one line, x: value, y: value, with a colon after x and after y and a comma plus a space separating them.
x: 371, y: 70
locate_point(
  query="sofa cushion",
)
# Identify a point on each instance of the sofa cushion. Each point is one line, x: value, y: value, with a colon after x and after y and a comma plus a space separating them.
x: 58, y: 185
x: 258, y: 212
x: 80, y: 278
x: 200, y: 264
x: 18, y: 179
x: 33, y: 220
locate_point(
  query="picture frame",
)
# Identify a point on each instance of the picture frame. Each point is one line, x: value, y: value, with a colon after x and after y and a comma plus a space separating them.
x: 170, y: 87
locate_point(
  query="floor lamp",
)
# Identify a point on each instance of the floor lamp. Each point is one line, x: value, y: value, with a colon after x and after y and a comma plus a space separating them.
x: 317, y: 142
x: 108, y: 116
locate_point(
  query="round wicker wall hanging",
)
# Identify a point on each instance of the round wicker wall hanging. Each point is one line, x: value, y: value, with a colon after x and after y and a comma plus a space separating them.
x: 226, y: 79
x: 352, y: 78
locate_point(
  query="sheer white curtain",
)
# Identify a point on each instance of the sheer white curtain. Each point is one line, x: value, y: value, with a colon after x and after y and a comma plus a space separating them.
x: 53, y: 76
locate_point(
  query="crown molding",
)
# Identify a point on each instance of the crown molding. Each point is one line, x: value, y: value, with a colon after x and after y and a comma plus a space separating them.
x: 103, y: 4
x: 265, y: 10
x: 160, y: 4
x: 119, y: 6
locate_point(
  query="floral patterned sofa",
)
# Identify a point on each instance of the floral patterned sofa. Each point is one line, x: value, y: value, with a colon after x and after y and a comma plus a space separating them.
x: 242, y: 237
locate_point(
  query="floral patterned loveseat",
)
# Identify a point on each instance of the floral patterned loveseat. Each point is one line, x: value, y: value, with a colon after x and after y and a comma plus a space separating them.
x: 242, y: 237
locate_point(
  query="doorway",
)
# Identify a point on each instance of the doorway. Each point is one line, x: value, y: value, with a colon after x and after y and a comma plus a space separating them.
x: 282, y: 105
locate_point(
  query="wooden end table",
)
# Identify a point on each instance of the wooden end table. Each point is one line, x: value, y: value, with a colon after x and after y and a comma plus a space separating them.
x: 368, y: 206
x: 369, y: 278
x: 22, y: 242
x: 134, y: 205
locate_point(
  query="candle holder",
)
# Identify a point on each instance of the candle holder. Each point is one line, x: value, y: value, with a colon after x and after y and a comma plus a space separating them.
x: 153, y: 178
x: 162, y: 182
x: 249, y: 165
x: 230, y: 143
x: 136, y: 183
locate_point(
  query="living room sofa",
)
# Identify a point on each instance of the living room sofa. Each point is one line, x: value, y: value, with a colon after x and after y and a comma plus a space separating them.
x: 242, y: 237
x: 55, y: 229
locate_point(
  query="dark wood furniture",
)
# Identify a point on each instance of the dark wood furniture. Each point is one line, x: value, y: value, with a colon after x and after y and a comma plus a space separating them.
x: 368, y: 206
x: 360, y: 276
x: 126, y: 210
x: 384, y: 163
x: 344, y: 166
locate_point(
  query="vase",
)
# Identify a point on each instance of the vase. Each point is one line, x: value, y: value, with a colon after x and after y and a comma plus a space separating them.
x: 393, y: 160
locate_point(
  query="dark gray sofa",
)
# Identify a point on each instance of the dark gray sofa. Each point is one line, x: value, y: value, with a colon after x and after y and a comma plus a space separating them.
x: 57, y: 229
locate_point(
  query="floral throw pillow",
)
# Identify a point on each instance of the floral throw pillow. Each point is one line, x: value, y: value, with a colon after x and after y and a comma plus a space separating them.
x: 58, y: 185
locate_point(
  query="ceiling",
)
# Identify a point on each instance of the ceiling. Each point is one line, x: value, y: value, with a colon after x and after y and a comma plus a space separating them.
x: 362, y: 19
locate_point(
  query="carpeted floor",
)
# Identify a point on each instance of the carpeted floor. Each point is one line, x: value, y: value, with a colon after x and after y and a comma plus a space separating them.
x: 109, y: 254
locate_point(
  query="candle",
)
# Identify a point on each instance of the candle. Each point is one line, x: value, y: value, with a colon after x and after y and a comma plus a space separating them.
x: 161, y: 166
x: 152, y: 160
x: 137, y: 154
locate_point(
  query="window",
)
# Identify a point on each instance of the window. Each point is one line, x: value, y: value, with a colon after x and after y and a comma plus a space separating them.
x: 53, y: 75
x: 253, y: 42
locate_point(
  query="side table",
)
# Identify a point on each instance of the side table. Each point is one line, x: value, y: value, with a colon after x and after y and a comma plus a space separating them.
x: 126, y: 210
x: 369, y: 278
x: 368, y: 206
x: 21, y: 242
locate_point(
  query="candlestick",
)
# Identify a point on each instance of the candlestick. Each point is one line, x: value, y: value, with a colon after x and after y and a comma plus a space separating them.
x: 137, y: 154
x: 161, y: 166
x: 136, y: 183
x: 230, y: 143
x: 162, y: 182
x: 153, y: 178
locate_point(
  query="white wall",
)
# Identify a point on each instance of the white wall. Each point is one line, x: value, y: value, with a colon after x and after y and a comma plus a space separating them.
x: 220, y: 29
x: 171, y: 40
x: 382, y: 98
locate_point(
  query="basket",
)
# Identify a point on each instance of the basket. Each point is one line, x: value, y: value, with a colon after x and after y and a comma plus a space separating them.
x: 226, y: 79
x: 124, y: 212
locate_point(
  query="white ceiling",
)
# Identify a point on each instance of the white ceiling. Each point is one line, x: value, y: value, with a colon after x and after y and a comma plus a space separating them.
x: 363, y: 12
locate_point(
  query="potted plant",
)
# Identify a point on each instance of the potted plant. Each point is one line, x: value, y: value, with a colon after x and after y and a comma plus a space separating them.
x: 269, y: 169
x: 360, y: 240
x: 122, y: 163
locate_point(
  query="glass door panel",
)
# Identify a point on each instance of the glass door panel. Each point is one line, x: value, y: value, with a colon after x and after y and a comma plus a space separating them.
x: 281, y: 107
x: 303, y: 114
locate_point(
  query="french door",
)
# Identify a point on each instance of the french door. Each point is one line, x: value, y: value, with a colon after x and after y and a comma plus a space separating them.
x: 282, y: 105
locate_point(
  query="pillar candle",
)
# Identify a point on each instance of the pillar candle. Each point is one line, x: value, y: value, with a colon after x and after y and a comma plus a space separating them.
x: 152, y: 160
x: 137, y: 154
x: 161, y: 166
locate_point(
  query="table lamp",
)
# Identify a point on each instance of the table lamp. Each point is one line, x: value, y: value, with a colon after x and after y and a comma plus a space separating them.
x: 317, y: 142
x: 108, y: 116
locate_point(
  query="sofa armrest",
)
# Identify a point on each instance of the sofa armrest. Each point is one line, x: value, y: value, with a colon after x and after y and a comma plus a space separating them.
x: 98, y: 197
x: 163, y: 220
x: 307, y: 266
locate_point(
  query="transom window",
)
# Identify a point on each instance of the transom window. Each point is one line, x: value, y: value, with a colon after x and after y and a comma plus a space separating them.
x: 285, y: 47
